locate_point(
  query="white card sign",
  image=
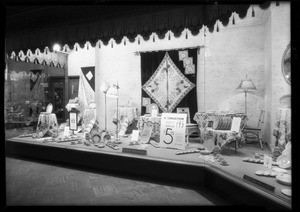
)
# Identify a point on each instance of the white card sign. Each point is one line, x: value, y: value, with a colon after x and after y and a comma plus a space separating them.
x: 135, y: 135
x: 236, y: 123
x: 172, y: 130
x: 73, y: 121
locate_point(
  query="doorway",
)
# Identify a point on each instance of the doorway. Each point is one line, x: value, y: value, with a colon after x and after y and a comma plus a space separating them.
x: 73, y: 87
x: 56, y: 97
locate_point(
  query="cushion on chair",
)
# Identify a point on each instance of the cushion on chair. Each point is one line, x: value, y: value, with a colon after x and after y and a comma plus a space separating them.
x: 251, y: 128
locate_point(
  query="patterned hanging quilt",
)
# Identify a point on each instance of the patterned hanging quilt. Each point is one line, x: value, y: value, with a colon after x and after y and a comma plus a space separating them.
x: 86, y: 90
x: 167, y: 86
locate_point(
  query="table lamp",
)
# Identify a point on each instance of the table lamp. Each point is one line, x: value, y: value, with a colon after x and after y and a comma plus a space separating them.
x: 246, y: 85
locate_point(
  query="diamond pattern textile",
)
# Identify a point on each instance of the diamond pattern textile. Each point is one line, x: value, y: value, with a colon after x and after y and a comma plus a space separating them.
x: 167, y: 86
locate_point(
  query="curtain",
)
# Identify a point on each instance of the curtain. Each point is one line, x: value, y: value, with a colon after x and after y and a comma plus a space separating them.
x: 86, y: 90
x: 93, y: 25
x: 36, y: 86
x: 183, y: 91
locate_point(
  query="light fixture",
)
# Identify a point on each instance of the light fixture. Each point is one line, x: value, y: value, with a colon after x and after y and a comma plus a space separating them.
x: 56, y: 47
x: 246, y: 85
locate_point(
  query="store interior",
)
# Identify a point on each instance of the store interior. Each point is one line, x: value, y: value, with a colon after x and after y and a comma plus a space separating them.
x: 216, y: 95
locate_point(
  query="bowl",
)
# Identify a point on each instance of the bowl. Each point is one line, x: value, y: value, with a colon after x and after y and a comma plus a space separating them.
x: 285, y: 179
x: 284, y: 161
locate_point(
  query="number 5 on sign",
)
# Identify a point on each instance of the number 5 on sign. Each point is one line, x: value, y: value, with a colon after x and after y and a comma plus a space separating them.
x: 172, y: 130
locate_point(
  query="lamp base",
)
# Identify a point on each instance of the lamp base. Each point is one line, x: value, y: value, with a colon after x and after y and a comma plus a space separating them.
x: 116, y: 139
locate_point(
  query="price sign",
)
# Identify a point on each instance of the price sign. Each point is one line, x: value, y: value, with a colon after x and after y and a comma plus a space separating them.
x: 172, y: 130
x: 73, y: 121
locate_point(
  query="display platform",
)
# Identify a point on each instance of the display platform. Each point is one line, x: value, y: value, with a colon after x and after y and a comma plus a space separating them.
x: 194, y: 169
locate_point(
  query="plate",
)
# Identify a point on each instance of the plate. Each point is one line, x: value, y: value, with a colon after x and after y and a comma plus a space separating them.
x: 284, y: 161
x: 225, y: 123
x: 267, y: 173
x: 259, y: 172
x: 49, y: 108
x: 228, y: 126
x: 209, y: 145
x: 285, y: 101
x: 279, y: 170
x: 221, y: 124
x: 204, y: 152
x: 284, y: 178
x: 216, y: 124
x: 246, y: 159
x: 287, y: 191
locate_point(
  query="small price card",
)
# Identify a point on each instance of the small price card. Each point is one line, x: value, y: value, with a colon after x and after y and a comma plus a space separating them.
x: 268, y: 161
x: 73, y: 121
x: 135, y: 135
x: 172, y: 130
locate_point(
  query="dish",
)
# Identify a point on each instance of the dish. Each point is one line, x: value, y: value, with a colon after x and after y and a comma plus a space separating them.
x: 225, y: 123
x: 209, y: 145
x: 284, y: 179
x: 259, y: 172
x: 216, y: 124
x: 287, y: 191
x: 204, y: 152
x: 279, y: 170
x: 284, y: 161
x: 228, y: 126
x: 285, y: 101
x: 257, y: 160
x: 246, y: 159
x: 49, y: 108
x: 267, y: 173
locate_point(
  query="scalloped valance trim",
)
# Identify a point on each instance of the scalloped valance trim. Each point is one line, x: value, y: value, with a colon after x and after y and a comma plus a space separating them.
x: 161, y: 23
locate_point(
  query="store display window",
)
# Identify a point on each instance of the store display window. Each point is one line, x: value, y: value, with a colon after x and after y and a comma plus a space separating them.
x: 194, y: 105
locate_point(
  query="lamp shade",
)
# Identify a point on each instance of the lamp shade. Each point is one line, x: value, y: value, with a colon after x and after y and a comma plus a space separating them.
x: 112, y: 92
x: 104, y: 87
x: 246, y: 85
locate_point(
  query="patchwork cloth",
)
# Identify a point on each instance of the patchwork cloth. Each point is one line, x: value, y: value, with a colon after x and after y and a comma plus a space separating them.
x: 188, y: 64
x: 86, y: 90
x: 167, y: 86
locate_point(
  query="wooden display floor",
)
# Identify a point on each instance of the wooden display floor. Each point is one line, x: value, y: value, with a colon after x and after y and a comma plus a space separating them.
x: 163, y: 164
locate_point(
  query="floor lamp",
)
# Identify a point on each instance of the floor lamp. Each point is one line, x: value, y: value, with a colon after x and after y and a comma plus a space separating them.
x: 113, y: 92
x: 246, y: 85
x: 104, y: 88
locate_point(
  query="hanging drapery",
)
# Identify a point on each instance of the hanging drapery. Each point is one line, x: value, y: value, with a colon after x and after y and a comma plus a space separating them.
x: 36, y: 86
x: 86, y: 93
x: 91, y: 25
x: 169, y: 80
x: 37, y: 93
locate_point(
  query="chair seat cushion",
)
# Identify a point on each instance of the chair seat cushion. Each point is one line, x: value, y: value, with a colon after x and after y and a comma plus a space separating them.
x: 251, y: 128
